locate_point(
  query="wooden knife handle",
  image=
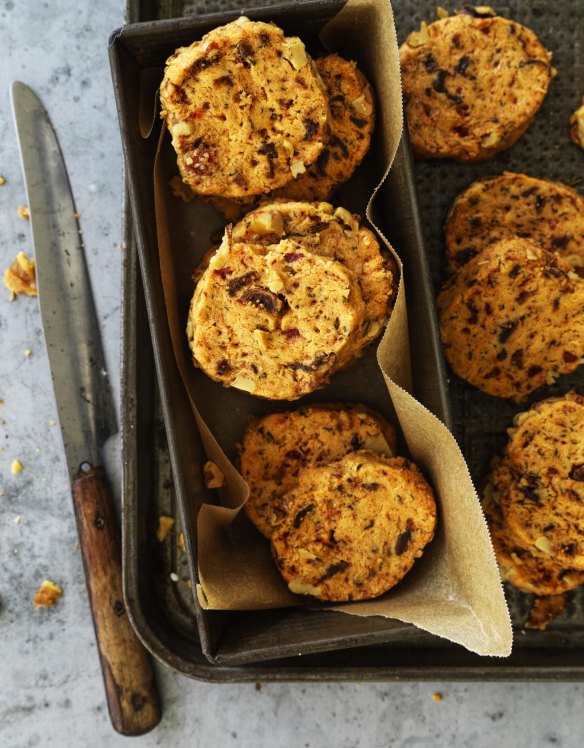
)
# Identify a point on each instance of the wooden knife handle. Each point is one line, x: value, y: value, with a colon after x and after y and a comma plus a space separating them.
x: 128, y: 674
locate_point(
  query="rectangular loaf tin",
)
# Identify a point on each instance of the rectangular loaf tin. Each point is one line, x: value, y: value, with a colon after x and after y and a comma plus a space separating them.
x: 163, y: 612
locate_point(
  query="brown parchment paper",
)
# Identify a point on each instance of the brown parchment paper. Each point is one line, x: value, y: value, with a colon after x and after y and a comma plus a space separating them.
x: 454, y: 590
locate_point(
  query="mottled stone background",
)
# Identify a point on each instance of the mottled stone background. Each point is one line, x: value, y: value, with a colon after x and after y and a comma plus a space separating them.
x: 50, y: 684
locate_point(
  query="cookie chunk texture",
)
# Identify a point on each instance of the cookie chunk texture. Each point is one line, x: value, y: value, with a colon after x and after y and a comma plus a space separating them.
x: 352, y: 529
x: 512, y: 319
x: 473, y: 83
x: 510, y: 205
x: 246, y: 109
x: 278, y: 446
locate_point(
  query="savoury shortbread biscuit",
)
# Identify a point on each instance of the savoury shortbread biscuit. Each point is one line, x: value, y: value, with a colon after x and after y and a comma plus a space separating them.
x: 542, y: 490
x: 472, y: 83
x: 353, y: 528
x: 273, y: 321
x: 335, y: 234
x: 515, y: 205
x: 529, y: 573
x: 512, y: 319
x: 246, y: 109
x: 352, y: 108
x: 277, y: 446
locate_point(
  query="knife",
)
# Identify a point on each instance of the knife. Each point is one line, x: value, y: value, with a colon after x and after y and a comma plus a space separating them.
x: 85, y: 409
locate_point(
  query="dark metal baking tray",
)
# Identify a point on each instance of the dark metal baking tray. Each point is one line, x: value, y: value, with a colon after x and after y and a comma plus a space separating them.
x: 163, y: 611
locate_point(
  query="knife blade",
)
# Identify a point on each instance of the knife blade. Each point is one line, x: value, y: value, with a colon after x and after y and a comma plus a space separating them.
x: 84, y: 406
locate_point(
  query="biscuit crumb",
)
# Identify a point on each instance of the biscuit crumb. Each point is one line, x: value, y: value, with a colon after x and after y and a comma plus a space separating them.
x: 52, y: 422
x: 437, y: 696
x: 47, y: 595
x: 164, y: 525
x: 16, y: 467
x: 173, y: 577
x: 2, y: 181
x: 21, y: 277
x: 17, y: 519
x: 28, y: 353
x: 181, y: 542
x: 577, y: 126
x: 213, y: 476
x: 23, y: 212
x: 442, y: 12
x: 544, y: 610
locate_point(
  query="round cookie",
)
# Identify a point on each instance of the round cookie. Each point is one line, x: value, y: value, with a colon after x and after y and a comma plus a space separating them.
x: 352, y: 529
x: 277, y: 446
x: 509, y: 205
x: 472, y: 83
x: 335, y: 234
x: 512, y: 319
x: 529, y: 573
x: 352, y: 108
x: 246, y: 109
x: 543, y: 503
x: 273, y: 321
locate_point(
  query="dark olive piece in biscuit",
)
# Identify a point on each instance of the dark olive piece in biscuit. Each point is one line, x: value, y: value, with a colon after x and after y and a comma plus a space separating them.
x: 246, y: 109
x: 472, y: 85
x: 512, y: 319
x: 352, y: 529
x: 278, y: 446
x: 509, y: 205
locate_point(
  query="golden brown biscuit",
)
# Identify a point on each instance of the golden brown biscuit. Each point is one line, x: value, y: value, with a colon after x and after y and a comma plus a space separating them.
x: 512, y: 319
x: 246, y: 109
x: 543, y: 501
x: 352, y: 529
x: 509, y: 205
x: 277, y: 446
x: 273, y: 321
x: 473, y: 83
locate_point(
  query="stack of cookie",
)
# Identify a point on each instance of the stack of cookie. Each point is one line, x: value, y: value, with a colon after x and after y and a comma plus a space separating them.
x: 251, y: 116
x: 298, y: 288
x: 534, y: 499
x: 346, y: 518
x: 294, y: 293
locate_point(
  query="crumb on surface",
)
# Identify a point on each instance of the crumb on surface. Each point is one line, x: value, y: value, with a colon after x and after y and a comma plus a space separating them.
x: 23, y: 212
x: 173, y: 577
x: 2, y: 180
x: 181, y: 541
x: 52, y: 421
x: 213, y: 476
x: 17, y: 519
x: 164, y: 525
x: 47, y: 595
x: 437, y: 696
x: 16, y: 467
x: 577, y: 126
x: 28, y: 353
x: 21, y: 276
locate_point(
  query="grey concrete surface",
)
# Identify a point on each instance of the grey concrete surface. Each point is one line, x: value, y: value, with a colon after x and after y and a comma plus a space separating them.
x: 51, y: 692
